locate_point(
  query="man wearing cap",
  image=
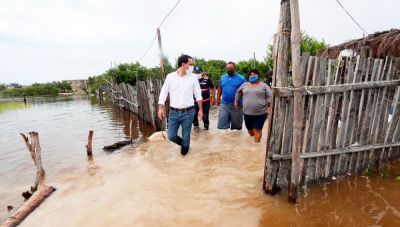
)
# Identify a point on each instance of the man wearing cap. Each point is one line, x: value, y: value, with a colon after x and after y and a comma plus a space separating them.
x: 206, y: 85
x: 181, y: 86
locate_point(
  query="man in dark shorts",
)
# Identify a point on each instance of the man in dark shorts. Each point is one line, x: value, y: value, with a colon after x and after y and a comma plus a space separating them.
x: 206, y: 85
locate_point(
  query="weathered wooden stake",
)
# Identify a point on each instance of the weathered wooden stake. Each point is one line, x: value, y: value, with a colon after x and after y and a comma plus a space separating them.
x: 89, y: 144
x: 130, y: 130
x: 278, y: 106
x: 30, y: 205
x: 161, y: 53
x: 35, y: 151
x: 298, y: 113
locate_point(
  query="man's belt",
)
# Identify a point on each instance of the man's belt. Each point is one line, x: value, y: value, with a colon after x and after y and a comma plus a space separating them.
x: 181, y: 110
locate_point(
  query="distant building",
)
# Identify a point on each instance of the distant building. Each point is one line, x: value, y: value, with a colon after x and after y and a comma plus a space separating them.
x: 13, y: 85
x: 78, y: 86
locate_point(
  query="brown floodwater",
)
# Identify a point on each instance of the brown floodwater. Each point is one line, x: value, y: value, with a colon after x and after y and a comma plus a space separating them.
x: 63, y: 125
x: 219, y: 183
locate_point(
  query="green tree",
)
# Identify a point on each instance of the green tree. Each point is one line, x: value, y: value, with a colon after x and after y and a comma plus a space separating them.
x: 3, y: 87
x: 311, y: 45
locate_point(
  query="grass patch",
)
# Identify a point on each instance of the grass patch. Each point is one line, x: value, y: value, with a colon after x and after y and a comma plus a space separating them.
x: 6, y: 106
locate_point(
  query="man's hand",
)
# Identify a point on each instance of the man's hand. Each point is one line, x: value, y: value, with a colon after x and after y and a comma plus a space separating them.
x: 218, y: 102
x: 200, y: 115
x: 213, y: 102
x: 161, y: 112
x: 236, y: 105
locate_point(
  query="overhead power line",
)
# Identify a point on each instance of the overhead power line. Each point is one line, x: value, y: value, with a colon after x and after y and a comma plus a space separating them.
x: 176, y: 4
x: 155, y: 36
x: 351, y: 17
x: 148, y: 49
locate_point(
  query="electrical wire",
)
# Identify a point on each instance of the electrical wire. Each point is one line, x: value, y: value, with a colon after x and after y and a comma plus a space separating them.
x: 362, y: 29
x: 155, y: 37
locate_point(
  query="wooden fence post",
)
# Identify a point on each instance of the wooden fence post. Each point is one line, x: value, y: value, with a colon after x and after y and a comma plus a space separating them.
x: 35, y: 151
x: 89, y: 144
x: 298, y: 113
x: 278, y: 105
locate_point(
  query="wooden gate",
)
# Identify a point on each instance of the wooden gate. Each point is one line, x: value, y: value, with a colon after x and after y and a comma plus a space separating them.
x: 351, y: 110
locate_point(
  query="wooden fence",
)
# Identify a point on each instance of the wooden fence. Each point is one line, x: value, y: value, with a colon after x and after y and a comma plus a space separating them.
x: 351, y: 110
x: 142, y: 100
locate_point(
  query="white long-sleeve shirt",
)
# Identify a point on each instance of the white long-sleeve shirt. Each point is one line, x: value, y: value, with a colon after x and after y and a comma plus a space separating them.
x: 181, y: 90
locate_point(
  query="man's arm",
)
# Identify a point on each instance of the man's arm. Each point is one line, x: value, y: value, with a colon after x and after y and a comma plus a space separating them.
x: 238, y: 95
x: 219, y: 95
x: 199, y: 98
x: 212, y: 100
x: 162, y: 98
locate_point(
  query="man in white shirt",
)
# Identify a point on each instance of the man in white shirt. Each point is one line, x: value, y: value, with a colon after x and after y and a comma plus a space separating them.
x: 181, y: 86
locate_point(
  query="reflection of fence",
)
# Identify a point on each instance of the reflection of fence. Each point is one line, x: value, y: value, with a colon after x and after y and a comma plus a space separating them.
x: 351, y: 110
x: 142, y: 100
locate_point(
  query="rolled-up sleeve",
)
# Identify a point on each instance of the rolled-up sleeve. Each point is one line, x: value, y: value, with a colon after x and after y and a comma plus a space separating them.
x: 197, y: 90
x: 164, y: 92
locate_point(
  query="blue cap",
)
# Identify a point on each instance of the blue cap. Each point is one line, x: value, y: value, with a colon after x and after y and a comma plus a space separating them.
x: 198, y: 69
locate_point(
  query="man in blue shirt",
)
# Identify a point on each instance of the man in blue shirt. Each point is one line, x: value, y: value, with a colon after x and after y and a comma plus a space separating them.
x: 229, y: 116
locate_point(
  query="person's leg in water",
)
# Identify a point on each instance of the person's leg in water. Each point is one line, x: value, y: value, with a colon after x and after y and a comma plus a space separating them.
x: 195, y: 120
x: 187, y: 119
x: 223, y: 117
x: 206, y: 111
x: 258, y: 124
x: 236, y: 115
x: 248, y: 121
x: 173, y: 125
x: 257, y: 135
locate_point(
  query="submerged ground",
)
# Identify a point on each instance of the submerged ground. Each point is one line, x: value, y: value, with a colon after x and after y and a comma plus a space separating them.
x: 219, y: 183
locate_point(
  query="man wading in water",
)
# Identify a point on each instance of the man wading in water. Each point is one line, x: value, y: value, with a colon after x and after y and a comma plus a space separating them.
x: 181, y: 86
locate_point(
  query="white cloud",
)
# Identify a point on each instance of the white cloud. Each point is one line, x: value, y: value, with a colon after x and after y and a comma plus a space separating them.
x: 46, y: 40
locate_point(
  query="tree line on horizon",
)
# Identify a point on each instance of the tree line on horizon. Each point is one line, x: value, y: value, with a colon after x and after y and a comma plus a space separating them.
x: 130, y: 73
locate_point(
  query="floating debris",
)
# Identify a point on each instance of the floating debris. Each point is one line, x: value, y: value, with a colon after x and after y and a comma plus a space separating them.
x: 116, y: 145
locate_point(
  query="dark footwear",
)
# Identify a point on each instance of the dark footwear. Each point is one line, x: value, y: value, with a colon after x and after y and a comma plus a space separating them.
x: 205, y: 127
x: 196, y: 128
x: 184, y: 151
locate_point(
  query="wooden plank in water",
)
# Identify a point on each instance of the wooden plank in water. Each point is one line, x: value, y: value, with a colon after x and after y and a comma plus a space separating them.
x: 353, y: 112
x: 309, y: 110
x: 367, y: 120
x: 29, y: 206
x: 320, y: 120
x: 361, y: 112
x: 341, y: 139
x: 332, y: 102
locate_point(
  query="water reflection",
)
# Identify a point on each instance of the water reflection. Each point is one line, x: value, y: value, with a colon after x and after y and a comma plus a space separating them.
x: 63, y: 125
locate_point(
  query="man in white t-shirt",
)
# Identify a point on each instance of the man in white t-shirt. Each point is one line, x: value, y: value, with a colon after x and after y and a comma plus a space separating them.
x: 181, y: 86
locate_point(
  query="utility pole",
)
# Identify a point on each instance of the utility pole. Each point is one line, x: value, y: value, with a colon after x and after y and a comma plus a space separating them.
x: 298, y: 114
x: 254, y: 61
x: 161, y: 54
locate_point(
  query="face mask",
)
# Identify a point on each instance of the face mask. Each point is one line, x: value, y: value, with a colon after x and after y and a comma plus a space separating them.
x: 190, y: 70
x: 199, y: 76
x: 231, y: 72
x: 253, y: 79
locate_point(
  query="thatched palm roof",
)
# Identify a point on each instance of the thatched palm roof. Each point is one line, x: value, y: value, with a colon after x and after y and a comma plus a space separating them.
x: 378, y: 45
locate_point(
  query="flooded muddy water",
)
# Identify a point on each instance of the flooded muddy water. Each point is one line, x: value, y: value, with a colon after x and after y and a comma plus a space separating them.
x: 219, y: 183
x: 63, y: 126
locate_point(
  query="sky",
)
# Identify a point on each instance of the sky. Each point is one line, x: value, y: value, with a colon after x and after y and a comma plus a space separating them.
x: 49, y: 40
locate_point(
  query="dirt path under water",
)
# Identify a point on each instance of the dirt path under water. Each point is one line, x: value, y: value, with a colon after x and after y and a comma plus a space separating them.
x: 219, y: 183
